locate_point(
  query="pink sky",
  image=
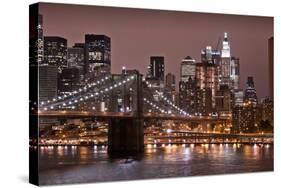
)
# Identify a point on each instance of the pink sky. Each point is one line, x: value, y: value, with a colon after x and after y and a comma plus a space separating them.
x: 137, y: 34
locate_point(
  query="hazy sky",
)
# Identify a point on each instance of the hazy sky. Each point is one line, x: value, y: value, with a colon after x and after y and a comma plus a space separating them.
x: 137, y: 34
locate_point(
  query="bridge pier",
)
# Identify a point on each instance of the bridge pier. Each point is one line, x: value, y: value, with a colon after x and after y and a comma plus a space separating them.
x: 125, y: 137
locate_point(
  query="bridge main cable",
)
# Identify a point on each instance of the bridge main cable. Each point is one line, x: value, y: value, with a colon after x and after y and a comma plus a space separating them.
x: 167, y: 100
x: 87, y: 96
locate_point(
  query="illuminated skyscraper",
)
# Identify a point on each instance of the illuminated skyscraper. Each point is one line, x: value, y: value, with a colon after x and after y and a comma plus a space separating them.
x: 187, y: 96
x: 187, y: 85
x: 40, y: 41
x: 188, y: 69
x: 267, y: 110
x: 224, y: 68
x: 55, y: 51
x: 244, y: 119
x: 170, y: 82
x: 234, y: 73
x: 97, y: 55
x: 206, y: 82
x: 238, y: 98
x: 223, y: 99
x: 157, y: 68
x: 68, y: 80
x: 250, y: 92
x: 210, y: 55
x: 36, y: 42
x: 75, y: 58
x: 207, y: 77
x: 48, y: 79
x: 225, y: 52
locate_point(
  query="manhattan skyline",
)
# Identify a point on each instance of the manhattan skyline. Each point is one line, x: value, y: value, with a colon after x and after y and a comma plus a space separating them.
x: 136, y: 37
x: 127, y: 94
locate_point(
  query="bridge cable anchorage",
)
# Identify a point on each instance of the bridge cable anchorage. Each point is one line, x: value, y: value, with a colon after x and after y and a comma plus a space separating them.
x: 86, y: 96
x: 155, y: 106
x: 75, y: 92
x: 167, y: 100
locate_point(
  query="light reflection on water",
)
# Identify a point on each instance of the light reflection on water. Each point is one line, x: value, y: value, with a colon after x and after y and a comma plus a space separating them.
x: 81, y: 164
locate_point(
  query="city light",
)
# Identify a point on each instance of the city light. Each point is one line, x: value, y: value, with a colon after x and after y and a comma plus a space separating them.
x: 168, y: 131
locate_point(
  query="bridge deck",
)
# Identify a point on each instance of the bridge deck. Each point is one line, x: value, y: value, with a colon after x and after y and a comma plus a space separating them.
x: 108, y: 115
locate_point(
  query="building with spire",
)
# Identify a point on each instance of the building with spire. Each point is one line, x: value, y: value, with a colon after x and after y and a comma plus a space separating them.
x: 224, y: 67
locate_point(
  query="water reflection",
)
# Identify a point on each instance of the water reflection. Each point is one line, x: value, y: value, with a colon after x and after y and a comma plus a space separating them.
x: 62, y: 164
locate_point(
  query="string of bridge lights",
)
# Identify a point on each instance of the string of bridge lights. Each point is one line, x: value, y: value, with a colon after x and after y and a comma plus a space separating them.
x: 171, y: 103
x: 75, y: 92
x: 167, y: 100
x: 88, y: 96
x: 155, y: 106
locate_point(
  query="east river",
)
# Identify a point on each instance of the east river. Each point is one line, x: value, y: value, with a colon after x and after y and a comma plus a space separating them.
x: 84, y: 164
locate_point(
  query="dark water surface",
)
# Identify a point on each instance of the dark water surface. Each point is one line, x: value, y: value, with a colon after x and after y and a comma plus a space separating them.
x: 83, y: 164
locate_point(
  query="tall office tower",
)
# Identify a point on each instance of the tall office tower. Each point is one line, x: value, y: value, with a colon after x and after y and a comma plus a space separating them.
x: 155, y: 75
x: 40, y: 41
x: 223, y: 99
x: 207, y: 83
x: 210, y: 55
x: 48, y: 79
x: 170, y: 82
x: 271, y: 64
x: 244, y: 118
x: 234, y: 73
x: 170, y: 87
x: 97, y: 55
x: 224, y: 68
x: 55, y: 51
x: 157, y: 68
x: 250, y: 94
x: 187, y: 96
x: 68, y: 80
x: 75, y: 58
x: 187, y: 85
x: 36, y: 42
x: 238, y: 98
x: 188, y: 69
x: 267, y: 110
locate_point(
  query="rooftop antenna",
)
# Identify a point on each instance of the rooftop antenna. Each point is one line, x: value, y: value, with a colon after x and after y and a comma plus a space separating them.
x: 218, y: 44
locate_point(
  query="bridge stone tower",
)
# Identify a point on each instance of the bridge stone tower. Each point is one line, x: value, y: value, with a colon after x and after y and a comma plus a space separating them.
x: 125, y: 134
